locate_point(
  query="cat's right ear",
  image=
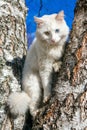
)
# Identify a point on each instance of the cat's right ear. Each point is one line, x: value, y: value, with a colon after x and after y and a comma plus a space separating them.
x: 39, y: 21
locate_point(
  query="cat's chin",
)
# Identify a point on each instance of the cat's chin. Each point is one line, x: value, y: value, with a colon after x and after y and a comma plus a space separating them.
x: 53, y: 43
x: 50, y: 43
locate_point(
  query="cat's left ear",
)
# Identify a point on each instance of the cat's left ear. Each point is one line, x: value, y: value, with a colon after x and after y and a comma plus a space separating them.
x: 60, y: 16
x: 39, y: 21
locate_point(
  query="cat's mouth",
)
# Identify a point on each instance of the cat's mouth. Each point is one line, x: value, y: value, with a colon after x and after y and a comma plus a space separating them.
x: 52, y: 42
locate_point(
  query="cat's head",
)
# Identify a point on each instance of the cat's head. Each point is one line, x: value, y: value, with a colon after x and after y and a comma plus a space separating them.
x: 52, y: 29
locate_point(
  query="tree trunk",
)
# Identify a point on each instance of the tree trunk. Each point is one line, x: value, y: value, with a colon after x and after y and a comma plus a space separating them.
x: 12, y: 50
x: 67, y: 109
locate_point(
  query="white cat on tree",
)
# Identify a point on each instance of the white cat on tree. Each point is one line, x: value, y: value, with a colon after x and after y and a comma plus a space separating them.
x: 44, y: 55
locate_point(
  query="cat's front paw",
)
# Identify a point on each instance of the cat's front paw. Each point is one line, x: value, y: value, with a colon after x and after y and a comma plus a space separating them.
x: 57, y: 66
x: 46, y: 99
x: 34, y: 113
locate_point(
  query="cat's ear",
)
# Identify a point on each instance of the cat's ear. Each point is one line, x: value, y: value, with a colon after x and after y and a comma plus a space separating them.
x: 60, y: 16
x: 39, y: 21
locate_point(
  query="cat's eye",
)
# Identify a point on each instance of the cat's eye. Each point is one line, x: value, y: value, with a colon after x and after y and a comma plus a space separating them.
x: 57, y: 30
x: 47, y: 33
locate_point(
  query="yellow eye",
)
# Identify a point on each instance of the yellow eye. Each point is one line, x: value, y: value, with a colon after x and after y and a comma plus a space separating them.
x: 47, y: 33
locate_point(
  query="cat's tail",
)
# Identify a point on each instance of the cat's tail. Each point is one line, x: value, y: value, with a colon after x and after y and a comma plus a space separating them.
x: 18, y: 103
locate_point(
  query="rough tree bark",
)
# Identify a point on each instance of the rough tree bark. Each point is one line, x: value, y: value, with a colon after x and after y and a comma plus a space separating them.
x: 12, y: 50
x: 67, y: 109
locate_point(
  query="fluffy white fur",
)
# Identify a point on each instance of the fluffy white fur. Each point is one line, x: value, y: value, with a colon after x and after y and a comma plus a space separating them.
x: 16, y: 106
x: 44, y: 54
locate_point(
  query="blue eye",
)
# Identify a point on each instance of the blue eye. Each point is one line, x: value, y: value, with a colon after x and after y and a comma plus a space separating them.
x: 57, y: 30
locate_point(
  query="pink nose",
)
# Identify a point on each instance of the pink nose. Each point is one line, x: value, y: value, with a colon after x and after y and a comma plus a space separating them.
x: 52, y: 40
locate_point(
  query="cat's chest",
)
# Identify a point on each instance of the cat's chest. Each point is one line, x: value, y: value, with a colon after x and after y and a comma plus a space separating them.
x: 55, y: 53
x: 50, y: 54
x: 44, y: 59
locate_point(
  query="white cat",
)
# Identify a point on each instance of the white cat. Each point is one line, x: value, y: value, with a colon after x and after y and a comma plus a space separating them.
x: 44, y: 55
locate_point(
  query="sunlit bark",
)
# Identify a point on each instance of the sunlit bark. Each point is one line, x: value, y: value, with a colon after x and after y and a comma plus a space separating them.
x: 12, y: 49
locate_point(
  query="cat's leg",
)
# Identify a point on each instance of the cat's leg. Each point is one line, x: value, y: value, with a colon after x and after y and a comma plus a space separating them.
x: 46, y: 78
x: 32, y: 86
x: 57, y: 65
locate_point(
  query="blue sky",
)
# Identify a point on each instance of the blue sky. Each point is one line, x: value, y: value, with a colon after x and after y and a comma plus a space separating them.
x: 41, y: 7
